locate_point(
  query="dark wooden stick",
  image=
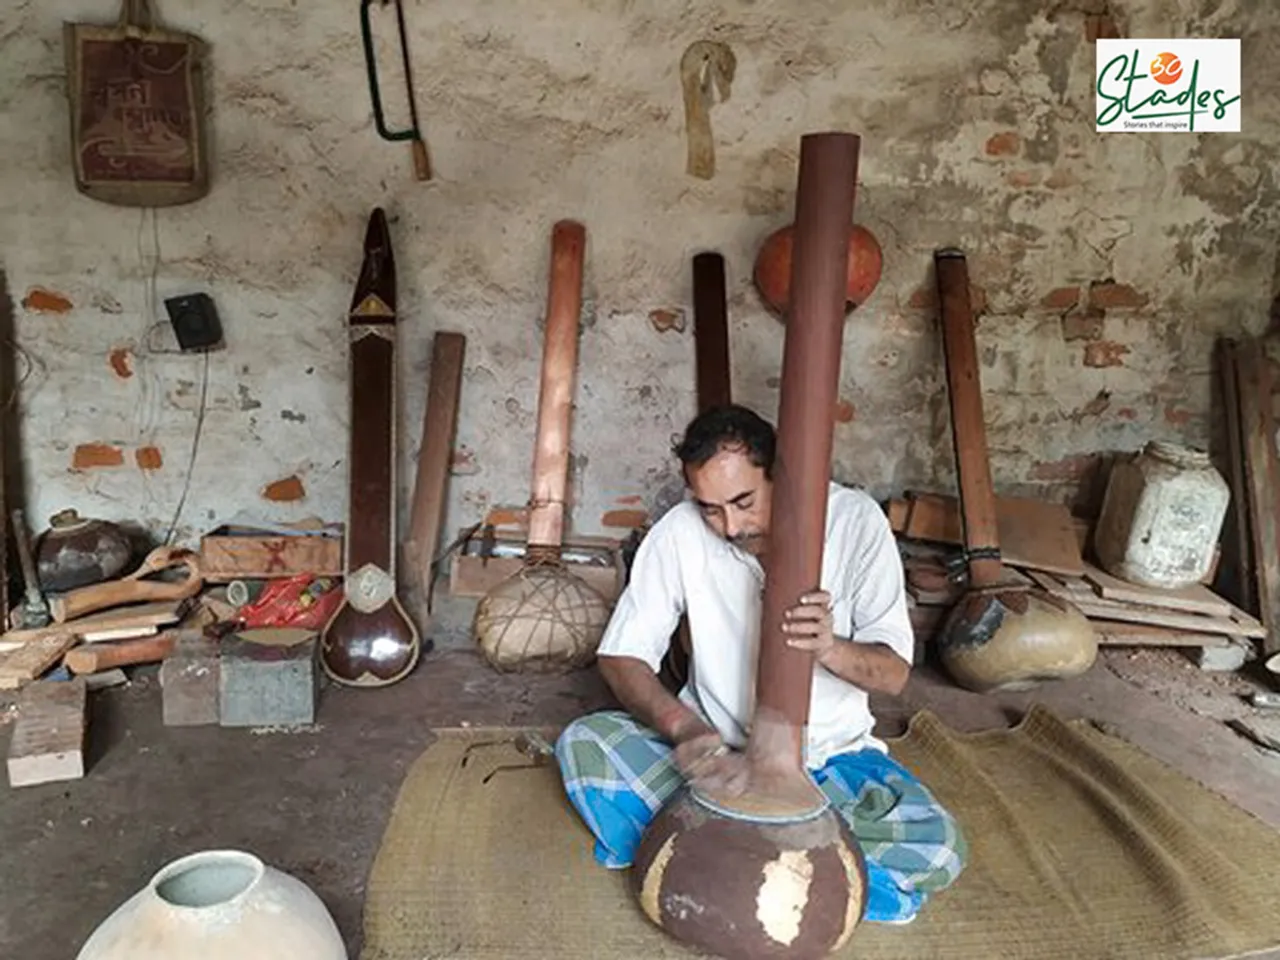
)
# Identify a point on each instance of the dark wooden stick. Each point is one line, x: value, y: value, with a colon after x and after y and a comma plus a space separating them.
x: 439, y: 428
x: 802, y: 471
x: 968, y: 427
x: 711, y: 331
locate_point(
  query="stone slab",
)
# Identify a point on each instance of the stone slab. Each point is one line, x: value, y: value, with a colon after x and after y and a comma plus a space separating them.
x: 262, y: 685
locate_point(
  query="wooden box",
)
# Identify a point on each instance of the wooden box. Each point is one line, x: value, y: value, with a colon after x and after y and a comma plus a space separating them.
x: 238, y: 553
x: 492, y: 555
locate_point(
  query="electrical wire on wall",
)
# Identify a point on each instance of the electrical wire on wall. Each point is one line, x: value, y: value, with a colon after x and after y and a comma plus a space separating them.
x: 150, y: 348
x: 195, y: 450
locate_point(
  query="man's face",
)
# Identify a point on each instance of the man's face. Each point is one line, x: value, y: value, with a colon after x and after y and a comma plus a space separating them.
x: 733, y: 495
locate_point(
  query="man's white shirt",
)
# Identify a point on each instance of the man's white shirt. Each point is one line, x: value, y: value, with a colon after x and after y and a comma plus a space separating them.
x: 682, y: 566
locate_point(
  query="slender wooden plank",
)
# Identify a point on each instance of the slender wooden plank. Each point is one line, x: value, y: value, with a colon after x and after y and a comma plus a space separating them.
x: 1119, y: 634
x: 1032, y: 533
x: 1196, y: 598
x: 439, y: 430
x: 710, y: 331
x: 1258, y: 426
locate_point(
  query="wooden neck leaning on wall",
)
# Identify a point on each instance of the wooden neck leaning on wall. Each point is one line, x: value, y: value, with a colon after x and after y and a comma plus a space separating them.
x: 371, y: 641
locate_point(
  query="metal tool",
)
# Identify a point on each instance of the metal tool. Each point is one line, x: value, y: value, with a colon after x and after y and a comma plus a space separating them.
x: 421, y: 163
x: 34, y: 611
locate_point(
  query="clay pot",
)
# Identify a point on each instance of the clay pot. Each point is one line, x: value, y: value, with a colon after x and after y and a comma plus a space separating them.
x: 218, y: 905
x: 773, y: 268
x: 750, y: 890
x: 76, y: 552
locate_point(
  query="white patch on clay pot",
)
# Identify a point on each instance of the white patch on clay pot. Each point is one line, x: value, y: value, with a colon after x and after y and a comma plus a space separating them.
x: 783, y: 895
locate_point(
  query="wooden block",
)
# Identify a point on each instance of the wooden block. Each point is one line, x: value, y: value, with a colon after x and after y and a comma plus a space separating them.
x: 122, y: 623
x: 1194, y: 599
x: 1032, y: 533
x: 1119, y: 634
x: 48, y: 740
x: 29, y: 661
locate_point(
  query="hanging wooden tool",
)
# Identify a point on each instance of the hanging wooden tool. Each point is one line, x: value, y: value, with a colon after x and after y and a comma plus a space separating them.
x: 706, y: 67
x: 136, y: 95
x: 1000, y: 635
x: 545, y: 617
x: 412, y: 133
x: 439, y: 426
x: 370, y: 641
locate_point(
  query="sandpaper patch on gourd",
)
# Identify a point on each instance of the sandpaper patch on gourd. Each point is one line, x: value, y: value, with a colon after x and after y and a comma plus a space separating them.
x: 784, y: 894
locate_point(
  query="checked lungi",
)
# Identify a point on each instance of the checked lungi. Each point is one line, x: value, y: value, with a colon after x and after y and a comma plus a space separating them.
x: 618, y: 774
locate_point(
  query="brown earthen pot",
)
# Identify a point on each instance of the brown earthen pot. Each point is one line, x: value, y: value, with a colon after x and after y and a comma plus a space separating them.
x: 773, y: 268
x: 76, y: 552
x: 749, y: 890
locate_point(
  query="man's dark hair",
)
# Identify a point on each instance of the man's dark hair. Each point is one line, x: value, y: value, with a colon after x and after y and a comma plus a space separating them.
x: 728, y: 426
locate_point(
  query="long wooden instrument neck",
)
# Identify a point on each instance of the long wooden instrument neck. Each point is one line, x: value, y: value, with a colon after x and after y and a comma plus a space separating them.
x: 555, y: 395
x: 968, y: 427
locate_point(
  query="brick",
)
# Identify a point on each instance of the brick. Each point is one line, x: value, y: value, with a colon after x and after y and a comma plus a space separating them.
x: 285, y: 491
x: 1109, y: 295
x: 189, y: 691
x: 40, y: 300
x: 628, y: 519
x: 87, y: 456
x: 48, y: 740
x: 1004, y: 144
x: 1083, y: 325
x: 1063, y: 298
x: 148, y: 458
x: 1105, y: 353
x: 263, y: 685
x: 1068, y: 469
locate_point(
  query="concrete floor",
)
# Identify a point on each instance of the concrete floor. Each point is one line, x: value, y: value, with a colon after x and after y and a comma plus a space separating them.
x: 315, y: 801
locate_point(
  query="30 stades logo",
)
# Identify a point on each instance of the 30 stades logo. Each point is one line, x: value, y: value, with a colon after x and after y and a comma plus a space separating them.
x: 1172, y: 86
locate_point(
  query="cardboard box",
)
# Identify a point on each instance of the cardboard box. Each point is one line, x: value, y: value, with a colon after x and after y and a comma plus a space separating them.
x: 245, y: 553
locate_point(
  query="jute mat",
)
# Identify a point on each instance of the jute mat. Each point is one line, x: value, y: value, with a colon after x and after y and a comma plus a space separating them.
x: 1082, y: 847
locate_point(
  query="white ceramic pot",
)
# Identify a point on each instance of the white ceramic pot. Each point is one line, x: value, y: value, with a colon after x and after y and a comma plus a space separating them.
x: 218, y: 905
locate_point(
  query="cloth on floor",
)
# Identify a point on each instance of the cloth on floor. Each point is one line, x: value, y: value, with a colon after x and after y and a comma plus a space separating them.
x: 1080, y: 845
x: 619, y: 773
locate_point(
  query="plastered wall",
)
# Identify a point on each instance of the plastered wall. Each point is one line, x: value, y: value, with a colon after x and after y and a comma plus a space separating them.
x: 1104, y: 265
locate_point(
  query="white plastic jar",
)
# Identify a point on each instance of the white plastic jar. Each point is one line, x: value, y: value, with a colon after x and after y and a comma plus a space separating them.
x: 1161, y: 517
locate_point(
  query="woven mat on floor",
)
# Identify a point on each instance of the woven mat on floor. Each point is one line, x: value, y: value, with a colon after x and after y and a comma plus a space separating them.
x: 1082, y: 847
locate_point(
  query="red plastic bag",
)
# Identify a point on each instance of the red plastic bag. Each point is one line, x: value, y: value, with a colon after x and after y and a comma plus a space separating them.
x: 304, y: 601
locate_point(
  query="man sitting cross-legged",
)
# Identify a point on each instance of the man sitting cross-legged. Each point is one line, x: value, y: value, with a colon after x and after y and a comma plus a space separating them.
x: 703, y: 559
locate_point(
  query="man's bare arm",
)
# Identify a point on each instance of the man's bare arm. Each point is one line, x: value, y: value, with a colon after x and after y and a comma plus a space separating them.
x: 871, y: 666
x: 642, y: 695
